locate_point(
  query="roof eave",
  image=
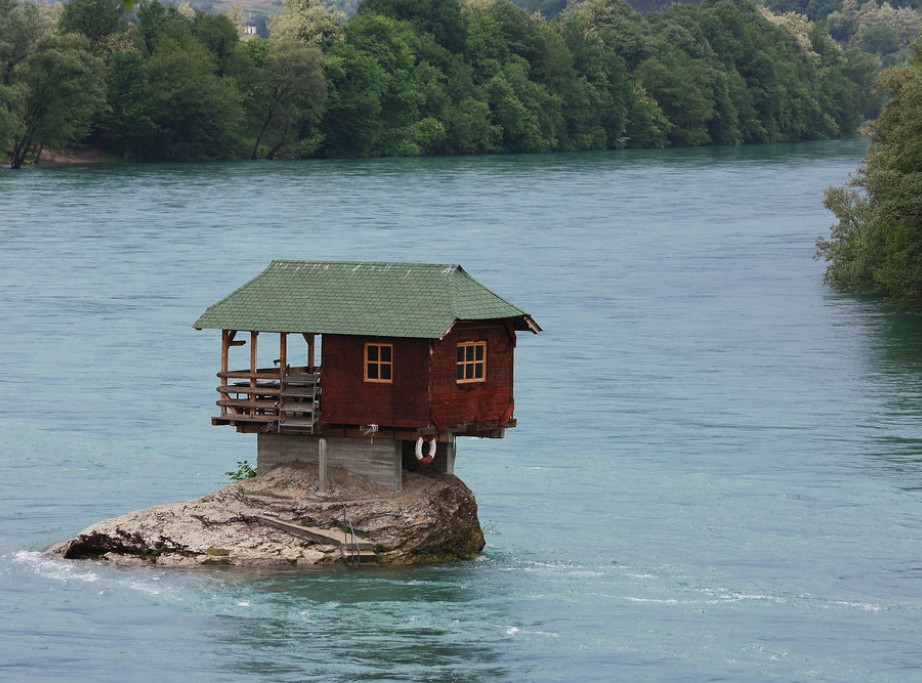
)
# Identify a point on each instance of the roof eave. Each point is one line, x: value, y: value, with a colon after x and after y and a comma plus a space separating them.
x: 520, y: 323
x: 528, y: 323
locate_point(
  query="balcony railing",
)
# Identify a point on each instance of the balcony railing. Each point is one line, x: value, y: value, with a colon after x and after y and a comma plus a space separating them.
x: 284, y: 399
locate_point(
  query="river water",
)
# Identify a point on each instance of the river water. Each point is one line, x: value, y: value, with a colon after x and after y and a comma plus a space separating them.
x: 717, y: 472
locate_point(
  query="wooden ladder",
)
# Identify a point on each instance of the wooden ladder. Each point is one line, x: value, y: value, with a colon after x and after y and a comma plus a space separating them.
x: 299, y: 401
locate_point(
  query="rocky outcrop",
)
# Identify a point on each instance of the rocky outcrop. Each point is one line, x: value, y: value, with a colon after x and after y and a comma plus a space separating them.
x: 279, y: 518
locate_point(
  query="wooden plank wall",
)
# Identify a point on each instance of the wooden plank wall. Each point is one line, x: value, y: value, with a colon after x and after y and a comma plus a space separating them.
x: 473, y: 402
x: 348, y: 399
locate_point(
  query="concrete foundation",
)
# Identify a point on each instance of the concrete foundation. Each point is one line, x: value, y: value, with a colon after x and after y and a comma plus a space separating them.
x: 379, y: 460
x: 442, y: 463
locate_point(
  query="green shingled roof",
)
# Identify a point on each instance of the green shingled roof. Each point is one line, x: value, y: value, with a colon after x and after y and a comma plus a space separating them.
x: 359, y: 297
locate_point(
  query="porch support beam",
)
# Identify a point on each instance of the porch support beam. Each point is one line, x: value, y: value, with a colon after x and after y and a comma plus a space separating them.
x: 309, y: 338
x: 253, y: 360
x: 283, y: 353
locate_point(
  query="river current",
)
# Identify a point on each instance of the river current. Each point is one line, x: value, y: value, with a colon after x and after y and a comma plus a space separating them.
x: 717, y: 469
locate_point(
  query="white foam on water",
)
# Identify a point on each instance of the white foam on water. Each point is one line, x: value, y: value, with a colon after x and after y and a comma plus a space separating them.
x: 865, y: 606
x: 515, y: 631
x: 142, y: 587
x: 50, y: 568
x: 66, y: 571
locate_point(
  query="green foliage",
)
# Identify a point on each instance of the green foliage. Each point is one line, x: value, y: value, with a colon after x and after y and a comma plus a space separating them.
x: 877, y: 243
x: 219, y: 35
x: 683, y: 88
x: 197, y: 111
x: 288, y: 95
x: 244, y: 471
x: 414, y: 77
x: 127, y: 123
x: 439, y: 18
x: 22, y: 26
x: 351, y: 123
x: 470, y: 129
x: 878, y: 28
x: 62, y: 87
x: 647, y: 125
x: 94, y: 19
x: 10, y: 123
x: 315, y: 24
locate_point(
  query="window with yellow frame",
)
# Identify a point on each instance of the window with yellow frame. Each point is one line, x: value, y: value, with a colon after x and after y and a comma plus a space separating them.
x: 471, y: 362
x: 379, y: 362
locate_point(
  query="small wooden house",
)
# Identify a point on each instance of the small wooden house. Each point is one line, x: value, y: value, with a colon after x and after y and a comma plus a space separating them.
x: 405, y: 352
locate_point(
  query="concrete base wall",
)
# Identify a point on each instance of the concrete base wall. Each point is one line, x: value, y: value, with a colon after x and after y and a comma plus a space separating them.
x: 379, y: 460
x: 442, y: 463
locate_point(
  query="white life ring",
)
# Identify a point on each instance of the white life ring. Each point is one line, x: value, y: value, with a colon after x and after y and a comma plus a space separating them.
x: 425, y: 460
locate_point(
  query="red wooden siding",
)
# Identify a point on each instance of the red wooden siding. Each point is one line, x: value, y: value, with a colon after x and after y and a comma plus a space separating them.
x: 488, y: 403
x: 347, y: 399
x: 425, y: 391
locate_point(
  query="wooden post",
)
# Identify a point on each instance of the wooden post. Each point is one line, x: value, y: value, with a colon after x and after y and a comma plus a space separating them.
x: 322, y: 465
x: 226, y: 339
x: 309, y: 338
x: 283, y: 353
x: 225, y: 347
x: 253, y: 367
x: 253, y: 361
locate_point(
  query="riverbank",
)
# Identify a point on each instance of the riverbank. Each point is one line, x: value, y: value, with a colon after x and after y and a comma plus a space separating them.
x: 71, y: 156
x: 282, y: 519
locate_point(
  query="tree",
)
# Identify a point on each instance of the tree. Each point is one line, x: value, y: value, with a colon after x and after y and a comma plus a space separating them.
x: 877, y: 243
x: 127, y: 124
x: 62, y: 89
x: 94, y: 19
x: 405, y: 86
x: 619, y: 26
x: 880, y: 40
x: 198, y: 113
x: 218, y: 33
x: 10, y: 123
x: 527, y: 114
x: 879, y: 28
x: 292, y: 94
x: 352, y: 121
x: 22, y: 26
x: 151, y: 16
x: 440, y: 18
x: 470, y: 130
x: 647, y: 125
x: 681, y: 88
x: 304, y: 20
x: 602, y: 71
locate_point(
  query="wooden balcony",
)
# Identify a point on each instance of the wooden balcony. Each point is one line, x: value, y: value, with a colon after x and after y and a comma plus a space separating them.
x: 269, y: 399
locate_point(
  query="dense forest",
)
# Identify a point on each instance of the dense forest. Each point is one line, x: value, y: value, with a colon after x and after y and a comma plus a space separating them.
x: 877, y: 244
x: 419, y: 77
x: 876, y: 26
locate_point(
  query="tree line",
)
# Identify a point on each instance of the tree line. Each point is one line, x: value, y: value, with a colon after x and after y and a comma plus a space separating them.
x: 876, y: 246
x: 876, y: 26
x: 418, y: 77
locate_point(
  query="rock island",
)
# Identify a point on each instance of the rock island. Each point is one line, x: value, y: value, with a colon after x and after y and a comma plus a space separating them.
x: 355, y: 454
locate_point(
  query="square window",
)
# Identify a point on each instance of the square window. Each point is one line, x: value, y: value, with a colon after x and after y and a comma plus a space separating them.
x: 471, y: 362
x: 379, y: 363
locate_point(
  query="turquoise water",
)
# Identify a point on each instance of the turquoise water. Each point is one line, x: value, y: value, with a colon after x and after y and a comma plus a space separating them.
x: 717, y: 472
